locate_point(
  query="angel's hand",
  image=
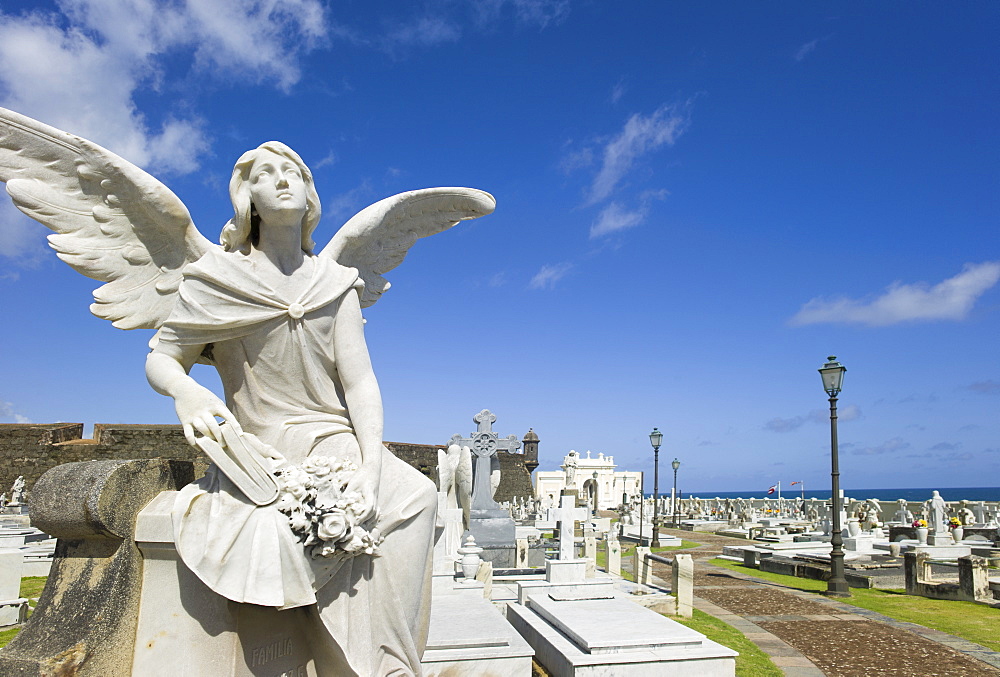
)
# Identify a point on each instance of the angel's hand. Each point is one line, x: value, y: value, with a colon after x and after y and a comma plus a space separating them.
x: 366, y: 483
x: 197, y: 408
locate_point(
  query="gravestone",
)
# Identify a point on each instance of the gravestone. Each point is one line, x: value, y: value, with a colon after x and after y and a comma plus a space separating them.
x: 491, y: 525
x: 13, y: 607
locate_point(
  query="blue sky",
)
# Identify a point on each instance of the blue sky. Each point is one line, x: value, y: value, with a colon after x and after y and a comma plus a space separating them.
x: 696, y: 204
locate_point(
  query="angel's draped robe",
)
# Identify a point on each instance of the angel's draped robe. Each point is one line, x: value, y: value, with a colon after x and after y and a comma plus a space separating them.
x: 276, y: 360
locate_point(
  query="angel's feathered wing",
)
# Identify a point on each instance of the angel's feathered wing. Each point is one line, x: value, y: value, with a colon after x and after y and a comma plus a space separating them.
x: 463, y: 483
x: 113, y: 222
x: 377, y: 238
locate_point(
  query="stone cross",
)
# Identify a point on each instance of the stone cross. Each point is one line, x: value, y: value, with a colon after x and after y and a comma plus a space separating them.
x: 485, y: 444
x: 567, y: 516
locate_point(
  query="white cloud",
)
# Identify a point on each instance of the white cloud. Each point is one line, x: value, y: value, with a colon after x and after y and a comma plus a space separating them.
x: 20, y: 237
x: 986, y: 387
x: 614, y: 217
x: 618, y: 91
x: 887, y: 447
x: 641, y: 134
x: 80, y: 70
x: 951, y: 299
x: 803, y: 51
x: 786, y: 425
x: 345, y: 205
x: 548, y: 275
x: 538, y: 13
x: 327, y: 160
x: 423, y: 32
x: 7, y: 412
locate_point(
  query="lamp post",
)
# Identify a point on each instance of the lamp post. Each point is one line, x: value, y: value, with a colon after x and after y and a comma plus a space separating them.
x: 675, y: 464
x: 833, y: 378
x: 656, y: 439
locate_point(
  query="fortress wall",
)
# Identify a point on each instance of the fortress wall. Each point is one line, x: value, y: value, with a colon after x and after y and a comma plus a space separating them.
x: 31, y: 449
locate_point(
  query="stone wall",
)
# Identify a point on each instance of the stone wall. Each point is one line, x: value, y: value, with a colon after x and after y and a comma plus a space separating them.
x: 30, y: 449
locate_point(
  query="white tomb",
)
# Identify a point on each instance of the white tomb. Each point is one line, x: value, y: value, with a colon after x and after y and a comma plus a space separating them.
x: 585, y: 627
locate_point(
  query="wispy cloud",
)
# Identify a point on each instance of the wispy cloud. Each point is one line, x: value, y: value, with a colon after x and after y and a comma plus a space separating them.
x: 20, y: 237
x: 615, y: 217
x: 808, y: 48
x: 985, y: 387
x: 425, y: 31
x: 327, y: 160
x: 539, y: 13
x: 7, y: 412
x: 642, y: 134
x: 618, y: 91
x: 804, y: 51
x: 549, y: 275
x: 951, y: 299
x: 945, y: 446
x: 887, y: 447
x: 345, y: 205
x: 787, y: 425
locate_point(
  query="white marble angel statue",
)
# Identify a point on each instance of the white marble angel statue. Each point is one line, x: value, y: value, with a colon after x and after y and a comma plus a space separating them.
x: 304, y: 506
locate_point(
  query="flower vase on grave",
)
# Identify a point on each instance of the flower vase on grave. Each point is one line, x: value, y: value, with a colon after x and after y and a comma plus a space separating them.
x: 470, y: 559
x: 958, y: 533
x: 922, y: 535
x: 853, y: 527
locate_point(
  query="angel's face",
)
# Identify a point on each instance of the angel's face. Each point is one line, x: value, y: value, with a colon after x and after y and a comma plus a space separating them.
x: 277, y: 189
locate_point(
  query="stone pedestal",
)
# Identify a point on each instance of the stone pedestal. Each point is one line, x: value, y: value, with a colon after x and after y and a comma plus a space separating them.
x: 185, y: 628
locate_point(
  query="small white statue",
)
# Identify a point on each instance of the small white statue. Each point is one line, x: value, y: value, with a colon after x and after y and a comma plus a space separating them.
x: 17, y: 491
x: 936, y: 510
x: 301, y: 482
x: 570, y: 465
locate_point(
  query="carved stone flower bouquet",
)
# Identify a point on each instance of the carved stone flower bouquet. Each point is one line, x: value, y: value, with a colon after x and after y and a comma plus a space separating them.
x: 321, y: 512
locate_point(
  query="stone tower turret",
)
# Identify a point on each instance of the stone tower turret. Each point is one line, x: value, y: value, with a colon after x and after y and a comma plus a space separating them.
x: 530, y: 441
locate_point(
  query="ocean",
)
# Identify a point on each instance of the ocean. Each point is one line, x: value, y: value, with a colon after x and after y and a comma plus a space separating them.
x: 910, y: 495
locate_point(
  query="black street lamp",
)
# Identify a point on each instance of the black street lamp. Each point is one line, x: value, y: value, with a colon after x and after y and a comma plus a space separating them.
x: 656, y: 439
x: 833, y: 378
x: 675, y: 464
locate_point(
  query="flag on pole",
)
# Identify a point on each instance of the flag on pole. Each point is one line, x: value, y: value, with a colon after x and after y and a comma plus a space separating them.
x: 774, y: 487
x: 794, y: 483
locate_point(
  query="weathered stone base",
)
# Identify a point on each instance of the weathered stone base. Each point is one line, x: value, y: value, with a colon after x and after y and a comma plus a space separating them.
x: 85, y: 621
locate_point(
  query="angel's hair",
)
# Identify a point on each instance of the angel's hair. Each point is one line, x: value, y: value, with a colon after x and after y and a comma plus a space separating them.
x: 244, y: 228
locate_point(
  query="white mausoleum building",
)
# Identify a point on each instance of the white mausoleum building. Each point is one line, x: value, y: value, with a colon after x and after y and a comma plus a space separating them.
x: 589, y: 476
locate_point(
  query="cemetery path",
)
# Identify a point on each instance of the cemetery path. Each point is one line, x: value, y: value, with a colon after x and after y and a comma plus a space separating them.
x: 807, y: 635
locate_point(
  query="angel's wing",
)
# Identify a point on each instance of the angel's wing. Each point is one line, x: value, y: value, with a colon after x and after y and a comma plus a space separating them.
x: 463, y: 482
x: 378, y: 237
x: 494, y: 475
x: 113, y: 222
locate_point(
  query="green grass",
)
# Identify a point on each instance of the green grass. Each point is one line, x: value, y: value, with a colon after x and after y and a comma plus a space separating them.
x: 31, y: 587
x: 968, y: 620
x: 752, y: 662
x: 8, y: 634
